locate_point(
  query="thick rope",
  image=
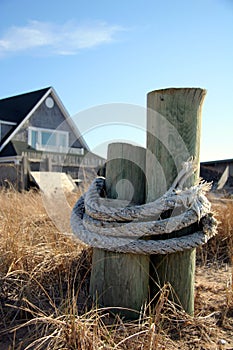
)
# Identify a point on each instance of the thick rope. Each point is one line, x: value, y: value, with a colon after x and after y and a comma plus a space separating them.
x: 101, y: 223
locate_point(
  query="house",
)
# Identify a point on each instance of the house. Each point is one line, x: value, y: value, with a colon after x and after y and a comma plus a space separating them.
x: 37, y: 134
x: 220, y: 173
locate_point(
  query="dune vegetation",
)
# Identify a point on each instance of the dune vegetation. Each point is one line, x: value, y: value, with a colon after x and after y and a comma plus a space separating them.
x: 44, y: 283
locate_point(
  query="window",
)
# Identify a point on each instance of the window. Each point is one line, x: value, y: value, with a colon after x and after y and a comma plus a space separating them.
x: 34, y: 137
x: 5, y: 127
x: 48, y: 140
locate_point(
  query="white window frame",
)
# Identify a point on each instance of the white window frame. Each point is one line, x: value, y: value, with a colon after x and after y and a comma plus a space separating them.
x: 6, y: 123
x: 50, y: 148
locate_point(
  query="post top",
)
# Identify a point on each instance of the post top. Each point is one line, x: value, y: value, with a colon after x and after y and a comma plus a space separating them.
x: 174, y: 90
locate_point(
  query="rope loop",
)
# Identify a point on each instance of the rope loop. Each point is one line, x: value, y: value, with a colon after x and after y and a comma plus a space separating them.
x: 113, y: 225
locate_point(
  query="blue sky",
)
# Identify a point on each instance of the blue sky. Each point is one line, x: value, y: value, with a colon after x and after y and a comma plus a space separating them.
x: 106, y: 52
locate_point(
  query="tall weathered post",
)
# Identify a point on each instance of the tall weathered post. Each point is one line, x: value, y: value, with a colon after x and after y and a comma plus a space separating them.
x: 120, y: 279
x: 173, y: 135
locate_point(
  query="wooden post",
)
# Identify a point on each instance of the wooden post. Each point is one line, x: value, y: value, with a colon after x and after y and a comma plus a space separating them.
x: 24, y: 173
x: 48, y: 164
x: 117, y: 279
x: 173, y: 135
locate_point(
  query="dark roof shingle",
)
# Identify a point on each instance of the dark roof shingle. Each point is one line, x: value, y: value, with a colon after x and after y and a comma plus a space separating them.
x: 16, y: 108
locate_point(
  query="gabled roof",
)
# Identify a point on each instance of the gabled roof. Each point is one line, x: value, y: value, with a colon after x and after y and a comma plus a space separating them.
x: 18, y: 109
x: 216, y: 162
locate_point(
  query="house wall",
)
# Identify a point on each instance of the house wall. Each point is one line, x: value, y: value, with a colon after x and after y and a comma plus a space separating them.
x: 220, y: 166
x: 212, y: 172
x: 49, y: 118
x: 9, y: 175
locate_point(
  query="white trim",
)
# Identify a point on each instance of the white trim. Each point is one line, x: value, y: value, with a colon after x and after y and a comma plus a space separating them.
x: 7, y: 123
x: 15, y: 159
x: 25, y: 119
x: 65, y: 114
x: 50, y: 148
x: 78, y: 151
x: 4, y: 123
x: 69, y: 119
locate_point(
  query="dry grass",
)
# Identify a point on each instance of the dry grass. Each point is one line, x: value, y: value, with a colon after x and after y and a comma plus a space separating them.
x: 220, y: 248
x: 44, y: 282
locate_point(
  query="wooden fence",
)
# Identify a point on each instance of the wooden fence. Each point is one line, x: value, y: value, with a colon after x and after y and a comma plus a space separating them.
x: 18, y: 175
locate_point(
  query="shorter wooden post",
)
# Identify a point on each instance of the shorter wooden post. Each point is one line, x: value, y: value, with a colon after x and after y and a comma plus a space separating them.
x: 121, y: 280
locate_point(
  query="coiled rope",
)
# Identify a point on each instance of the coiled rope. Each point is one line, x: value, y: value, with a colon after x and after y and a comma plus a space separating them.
x: 141, y: 229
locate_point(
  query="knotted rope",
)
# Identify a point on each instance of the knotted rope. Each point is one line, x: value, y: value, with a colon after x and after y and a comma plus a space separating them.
x: 141, y: 229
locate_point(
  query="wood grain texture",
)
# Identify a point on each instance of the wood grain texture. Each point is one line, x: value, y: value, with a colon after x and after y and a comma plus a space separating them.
x: 122, y: 280
x: 173, y: 135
